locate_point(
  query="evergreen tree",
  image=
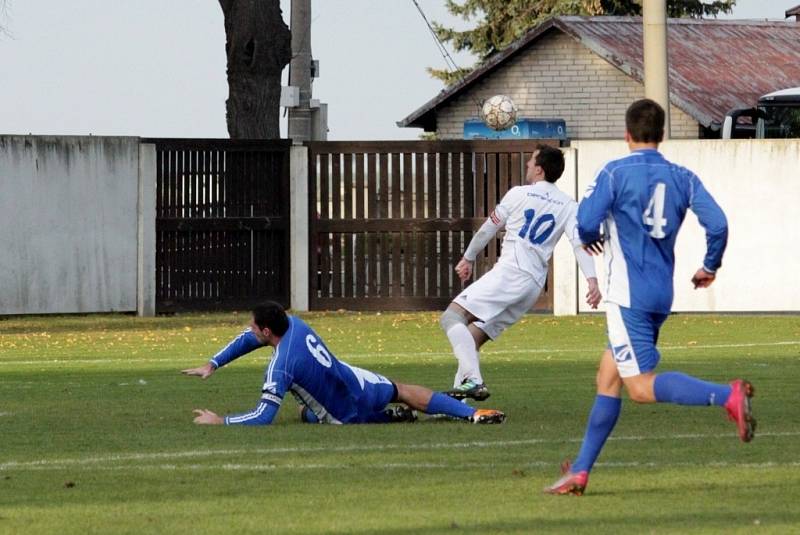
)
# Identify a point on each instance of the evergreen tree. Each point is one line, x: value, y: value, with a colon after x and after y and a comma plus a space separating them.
x: 504, y: 21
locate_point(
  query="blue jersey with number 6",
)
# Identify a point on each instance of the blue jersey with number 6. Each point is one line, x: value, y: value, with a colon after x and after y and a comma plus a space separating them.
x: 303, y: 365
x: 641, y: 201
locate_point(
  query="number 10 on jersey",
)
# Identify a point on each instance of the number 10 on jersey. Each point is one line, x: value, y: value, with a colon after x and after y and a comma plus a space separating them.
x: 540, y: 230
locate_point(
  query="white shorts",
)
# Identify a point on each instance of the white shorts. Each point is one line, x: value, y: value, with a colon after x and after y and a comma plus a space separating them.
x: 499, y: 298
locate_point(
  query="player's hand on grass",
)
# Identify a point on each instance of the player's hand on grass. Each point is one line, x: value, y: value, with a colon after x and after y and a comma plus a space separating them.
x: 464, y: 269
x: 593, y: 296
x: 594, y: 248
x: 206, y: 417
x: 703, y: 279
x: 203, y: 371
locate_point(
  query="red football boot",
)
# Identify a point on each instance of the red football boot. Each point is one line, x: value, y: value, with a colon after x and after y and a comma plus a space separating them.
x: 569, y: 483
x: 740, y: 410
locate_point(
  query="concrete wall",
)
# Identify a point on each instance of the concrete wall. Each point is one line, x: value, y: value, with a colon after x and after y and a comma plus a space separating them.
x: 565, y: 269
x: 76, y: 225
x: 299, y: 229
x: 560, y: 78
x: 757, y: 183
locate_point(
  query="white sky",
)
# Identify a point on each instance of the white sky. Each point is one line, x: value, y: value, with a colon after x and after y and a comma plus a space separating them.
x: 156, y: 68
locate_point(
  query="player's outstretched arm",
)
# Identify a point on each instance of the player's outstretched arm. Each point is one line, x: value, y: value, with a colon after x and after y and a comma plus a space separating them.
x: 263, y: 414
x: 478, y: 243
x: 203, y: 372
x: 241, y: 345
x: 206, y: 417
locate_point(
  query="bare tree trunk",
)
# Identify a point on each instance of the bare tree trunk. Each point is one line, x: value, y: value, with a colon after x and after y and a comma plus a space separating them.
x: 258, y: 48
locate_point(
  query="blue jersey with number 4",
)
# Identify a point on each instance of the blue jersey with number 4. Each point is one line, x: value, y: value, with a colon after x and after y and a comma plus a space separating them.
x: 641, y: 201
x: 303, y: 365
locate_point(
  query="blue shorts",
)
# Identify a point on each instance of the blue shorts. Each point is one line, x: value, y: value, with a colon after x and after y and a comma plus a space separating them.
x: 632, y: 338
x: 366, y: 400
x: 374, y: 399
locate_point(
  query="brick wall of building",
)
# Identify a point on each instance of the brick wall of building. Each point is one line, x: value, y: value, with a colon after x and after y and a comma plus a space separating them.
x: 560, y: 78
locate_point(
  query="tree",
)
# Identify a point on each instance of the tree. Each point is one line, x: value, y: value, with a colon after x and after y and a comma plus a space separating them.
x: 504, y: 21
x: 258, y: 47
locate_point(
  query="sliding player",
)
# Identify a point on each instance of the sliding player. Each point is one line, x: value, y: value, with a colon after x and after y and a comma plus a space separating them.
x: 329, y: 390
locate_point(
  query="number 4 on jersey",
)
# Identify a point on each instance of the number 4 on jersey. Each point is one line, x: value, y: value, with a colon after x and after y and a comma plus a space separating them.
x: 654, y: 215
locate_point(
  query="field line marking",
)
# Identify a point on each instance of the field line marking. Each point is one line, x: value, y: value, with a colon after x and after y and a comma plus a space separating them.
x: 421, y: 465
x: 351, y: 448
x: 347, y: 356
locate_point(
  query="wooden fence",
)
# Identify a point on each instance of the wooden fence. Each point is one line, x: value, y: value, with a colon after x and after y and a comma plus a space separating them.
x: 222, y: 223
x: 390, y: 220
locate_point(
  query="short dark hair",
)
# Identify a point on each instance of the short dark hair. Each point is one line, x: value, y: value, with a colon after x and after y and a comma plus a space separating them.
x: 644, y: 121
x: 551, y: 160
x: 272, y: 316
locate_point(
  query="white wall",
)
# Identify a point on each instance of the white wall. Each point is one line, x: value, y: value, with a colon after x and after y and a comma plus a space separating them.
x: 757, y: 183
x: 77, y: 225
x: 70, y: 225
x: 565, y: 269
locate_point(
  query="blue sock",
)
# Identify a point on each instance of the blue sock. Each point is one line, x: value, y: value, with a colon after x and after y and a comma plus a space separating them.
x: 442, y: 404
x: 682, y: 389
x: 308, y: 416
x: 602, y: 420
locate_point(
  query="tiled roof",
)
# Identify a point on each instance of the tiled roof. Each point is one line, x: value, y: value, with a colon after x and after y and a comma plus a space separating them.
x: 714, y: 65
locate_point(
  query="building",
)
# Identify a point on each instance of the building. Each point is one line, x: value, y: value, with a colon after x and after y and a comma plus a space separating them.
x: 587, y: 70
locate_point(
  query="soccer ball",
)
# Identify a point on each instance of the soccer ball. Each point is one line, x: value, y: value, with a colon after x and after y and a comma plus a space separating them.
x: 499, y: 112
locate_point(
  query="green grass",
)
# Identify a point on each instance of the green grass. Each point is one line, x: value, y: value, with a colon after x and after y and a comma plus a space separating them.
x: 96, y: 433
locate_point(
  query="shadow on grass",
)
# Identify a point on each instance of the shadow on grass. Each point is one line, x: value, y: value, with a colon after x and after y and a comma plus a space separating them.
x: 632, y: 523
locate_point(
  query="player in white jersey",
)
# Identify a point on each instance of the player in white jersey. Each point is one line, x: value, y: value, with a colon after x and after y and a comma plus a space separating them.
x: 534, y: 216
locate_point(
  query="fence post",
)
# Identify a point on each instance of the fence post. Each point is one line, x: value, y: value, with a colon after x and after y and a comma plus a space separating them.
x: 298, y: 228
x: 146, y: 234
x: 565, y: 269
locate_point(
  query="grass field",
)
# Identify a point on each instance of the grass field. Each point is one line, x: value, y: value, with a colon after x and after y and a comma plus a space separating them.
x: 96, y: 433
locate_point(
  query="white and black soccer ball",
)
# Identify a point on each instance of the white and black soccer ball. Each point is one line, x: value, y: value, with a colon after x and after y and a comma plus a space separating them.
x: 499, y: 112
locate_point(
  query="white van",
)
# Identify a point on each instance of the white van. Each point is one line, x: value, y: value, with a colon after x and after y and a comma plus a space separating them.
x: 776, y: 115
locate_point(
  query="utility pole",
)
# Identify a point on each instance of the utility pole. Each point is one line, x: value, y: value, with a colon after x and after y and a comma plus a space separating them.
x: 300, y: 70
x: 656, y: 60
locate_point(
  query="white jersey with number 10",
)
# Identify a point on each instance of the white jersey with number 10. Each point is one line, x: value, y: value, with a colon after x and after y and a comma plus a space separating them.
x: 535, y: 217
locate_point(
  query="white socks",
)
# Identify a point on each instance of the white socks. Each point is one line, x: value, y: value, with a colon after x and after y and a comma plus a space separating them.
x: 466, y: 353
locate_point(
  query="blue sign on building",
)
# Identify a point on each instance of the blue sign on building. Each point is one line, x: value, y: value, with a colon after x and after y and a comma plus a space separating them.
x: 525, y: 128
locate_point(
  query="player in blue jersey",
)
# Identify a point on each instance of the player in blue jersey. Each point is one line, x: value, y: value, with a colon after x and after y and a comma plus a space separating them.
x: 329, y: 390
x: 640, y: 200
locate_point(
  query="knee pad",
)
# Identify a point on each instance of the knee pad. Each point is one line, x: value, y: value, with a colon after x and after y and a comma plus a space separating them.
x: 450, y: 319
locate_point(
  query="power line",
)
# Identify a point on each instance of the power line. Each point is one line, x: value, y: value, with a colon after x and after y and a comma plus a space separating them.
x: 448, y: 59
